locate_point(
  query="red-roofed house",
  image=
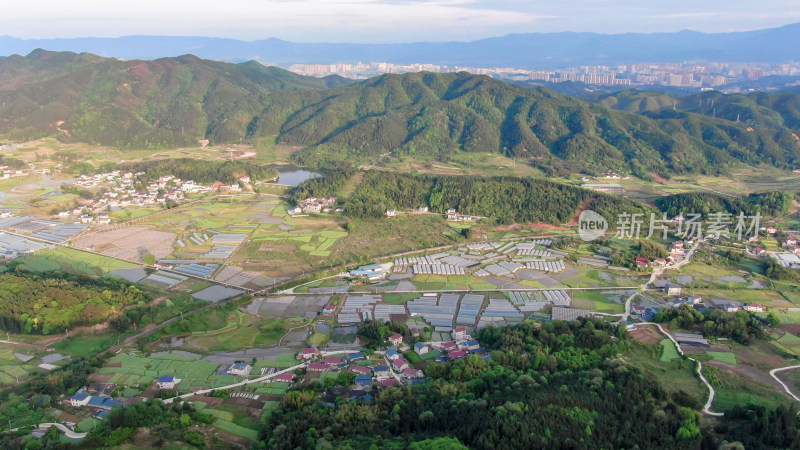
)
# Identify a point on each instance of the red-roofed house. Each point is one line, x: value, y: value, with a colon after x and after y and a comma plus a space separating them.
x: 412, y: 373
x: 333, y: 361
x: 642, y: 263
x: 308, y: 353
x: 449, y: 346
x: 395, y: 339
x: 317, y: 367
x: 456, y: 354
x: 360, y: 370
x: 285, y: 377
x: 399, y: 364
x: 388, y: 382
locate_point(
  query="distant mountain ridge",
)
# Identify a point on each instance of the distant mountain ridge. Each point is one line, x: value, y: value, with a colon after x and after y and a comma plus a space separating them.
x: 757, y: 109
x: 530, y: 50
x: 171, y: 102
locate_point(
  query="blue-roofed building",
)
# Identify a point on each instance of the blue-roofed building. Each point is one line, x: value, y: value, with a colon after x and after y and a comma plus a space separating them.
x: 371, y: 271
x: 381, y: 372
x: 81, y: 398
x: 105, y: 403
x: 441, y: 359
x: 364, y: 380
x: 168, y: 382
x: 357, y: 356
x: 240, y: 369
x: 420, y: 348
x: 392, y: 354
x: 473, y: 344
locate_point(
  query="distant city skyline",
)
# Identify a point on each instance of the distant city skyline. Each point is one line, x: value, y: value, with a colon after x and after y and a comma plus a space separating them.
x: 384, y: 21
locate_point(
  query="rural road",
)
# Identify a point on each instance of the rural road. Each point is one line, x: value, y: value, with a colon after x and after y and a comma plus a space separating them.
x: 711, y: 392
x: 69, y: 433
x: 241, y: 383
x: 773, y: 373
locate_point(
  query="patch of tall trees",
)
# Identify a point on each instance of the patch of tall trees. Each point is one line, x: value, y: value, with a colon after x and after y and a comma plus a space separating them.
x: 50, y: 303
x: 773, y: 203
x: 741, y: 326
x: 501, y: 199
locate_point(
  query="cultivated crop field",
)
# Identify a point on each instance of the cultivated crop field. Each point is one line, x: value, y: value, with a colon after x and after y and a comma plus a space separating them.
x: 72, y: 261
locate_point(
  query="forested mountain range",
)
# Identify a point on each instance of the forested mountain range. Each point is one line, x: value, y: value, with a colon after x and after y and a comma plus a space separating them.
x: 524, y: 50
x: 758, y: 109
x: 137, y: 104
x: 176, y: 101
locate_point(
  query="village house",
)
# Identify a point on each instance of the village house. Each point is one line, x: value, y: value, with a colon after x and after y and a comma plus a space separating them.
x: 395, y: 339
x: 357, y: 356
x: 473, y: 344
x: 360, y: 370
x: 420, y: 348
x: 672, y: 289
x: 392, y: 354
x: 459, y: 334
x: 381, y: 372
x: 363, y: 381
x: 659, y: 262
x: 333, y: 361
x: 755, y: 307
x: 308, y: 354
x: 399, y: 364
x: 391, y: 213
x: 677, y: 248
x: 642, y: 263
x: 789, y: 241
x: 285, y: 378
x: 317, y: 367
x: 412, y: 373
x: 456, y: 354
x: 422, y: 209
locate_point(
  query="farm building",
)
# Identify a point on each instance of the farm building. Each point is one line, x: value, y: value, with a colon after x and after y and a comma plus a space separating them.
x: 168, y: 382
x: 80, y: 398
x: 672, y: 289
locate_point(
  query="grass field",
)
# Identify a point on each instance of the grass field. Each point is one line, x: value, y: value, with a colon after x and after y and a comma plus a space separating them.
x: 232, y: 428
x: 726, y: 357
x: 670, y: 352
x: 596, y: 301
x: 676, y: 375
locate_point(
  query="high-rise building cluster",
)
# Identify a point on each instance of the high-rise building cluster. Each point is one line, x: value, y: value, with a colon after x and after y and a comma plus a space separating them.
x: 690, y: 74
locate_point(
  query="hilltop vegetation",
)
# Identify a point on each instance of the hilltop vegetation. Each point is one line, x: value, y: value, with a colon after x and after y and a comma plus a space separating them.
x: 758, y: 109
x: 767, y: 203
x: 502, y: 199
x: 168, y: 102
x: 176, y: 101
x: 45, y: 304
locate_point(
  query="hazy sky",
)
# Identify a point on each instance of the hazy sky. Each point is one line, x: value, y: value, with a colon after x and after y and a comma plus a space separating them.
x: 382, y: 20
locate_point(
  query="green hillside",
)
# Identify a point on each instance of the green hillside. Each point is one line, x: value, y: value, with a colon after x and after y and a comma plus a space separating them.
x: 758, y: 109
x: 168, y: 102
x: 174, y: 102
